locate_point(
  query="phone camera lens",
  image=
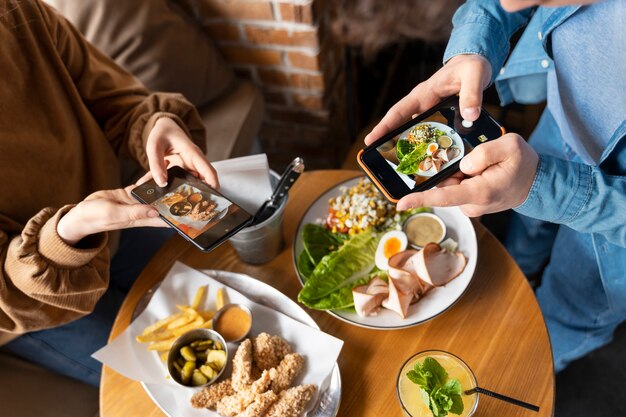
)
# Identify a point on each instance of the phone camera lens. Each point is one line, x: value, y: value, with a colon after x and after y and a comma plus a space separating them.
x: 150, y: 191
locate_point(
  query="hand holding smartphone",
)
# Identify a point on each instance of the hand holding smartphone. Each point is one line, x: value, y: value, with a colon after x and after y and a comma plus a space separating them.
x: 426, y: 150
x: 199, y: 213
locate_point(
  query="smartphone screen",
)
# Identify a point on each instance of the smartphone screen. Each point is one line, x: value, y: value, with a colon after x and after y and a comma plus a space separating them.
x: 426, y: 150
x: 199, y: 213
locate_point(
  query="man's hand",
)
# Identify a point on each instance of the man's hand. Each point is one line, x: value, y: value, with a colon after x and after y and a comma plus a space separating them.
x: 103, y: 211
x: 466, y: 75
x: 495, y: 176
x: 168, y: 143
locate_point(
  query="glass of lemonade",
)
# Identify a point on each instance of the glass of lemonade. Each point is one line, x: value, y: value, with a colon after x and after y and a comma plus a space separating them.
x: 409, y: 393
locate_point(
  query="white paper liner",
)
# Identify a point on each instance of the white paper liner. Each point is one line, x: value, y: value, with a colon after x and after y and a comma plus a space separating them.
x: 133, y: 360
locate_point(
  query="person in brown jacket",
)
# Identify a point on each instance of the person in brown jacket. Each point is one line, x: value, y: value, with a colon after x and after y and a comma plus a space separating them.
x: 67, y: 113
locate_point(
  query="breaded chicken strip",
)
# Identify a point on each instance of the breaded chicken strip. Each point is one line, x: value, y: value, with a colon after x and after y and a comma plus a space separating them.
x: 292, y: 402
x: 260, y: 405
x: 285, y: 373
x: 242, y: 366
x: 269, y: 350
x: 241, y: 399
x: 211, y: 395
x: 230, y: 406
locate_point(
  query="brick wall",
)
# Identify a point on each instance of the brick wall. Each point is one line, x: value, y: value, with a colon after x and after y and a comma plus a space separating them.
x: 285, y: 47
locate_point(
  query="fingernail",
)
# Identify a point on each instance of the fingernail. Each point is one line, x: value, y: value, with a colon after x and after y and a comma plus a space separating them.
x: 153, y: 213
x: 163, y: 181
x: 401, y: 206
x: 471, y: 113
x: 466, y: 164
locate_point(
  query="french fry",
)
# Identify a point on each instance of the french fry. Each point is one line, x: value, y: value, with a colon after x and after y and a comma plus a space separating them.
x: 190, y: 311
x: 182, y: 321
x: 164, y: 355
x: 220, y: 298
x: 206, y: 314
x: 154, y: 337
x: 162, y: 334
x: 191, y: 326
x: 197, y: 300
x: 162, y: 345
x: 160, y: 324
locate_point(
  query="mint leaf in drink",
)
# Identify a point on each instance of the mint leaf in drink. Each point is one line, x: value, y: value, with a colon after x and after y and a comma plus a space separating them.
x: 457, y: 404
x: 420, y: 377
x: 439, y: 375
x: 440, y: 394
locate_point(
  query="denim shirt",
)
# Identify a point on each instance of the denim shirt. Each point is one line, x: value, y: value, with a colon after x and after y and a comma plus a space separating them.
x: 589, y: 199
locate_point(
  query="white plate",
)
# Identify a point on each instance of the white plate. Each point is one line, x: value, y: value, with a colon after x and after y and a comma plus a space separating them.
x: 459, y: 227
x: 259, y: 292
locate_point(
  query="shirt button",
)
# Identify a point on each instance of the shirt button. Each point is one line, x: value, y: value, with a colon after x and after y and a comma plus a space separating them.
x: 501, y: 71
x: 540, y: 35
x: 545, y: 63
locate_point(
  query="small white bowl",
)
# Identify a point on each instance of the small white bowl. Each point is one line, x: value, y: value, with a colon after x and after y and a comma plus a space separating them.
x: 430, y: 215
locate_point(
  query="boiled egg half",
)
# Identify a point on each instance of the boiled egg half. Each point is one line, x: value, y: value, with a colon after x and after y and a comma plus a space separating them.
x: 391, y: 243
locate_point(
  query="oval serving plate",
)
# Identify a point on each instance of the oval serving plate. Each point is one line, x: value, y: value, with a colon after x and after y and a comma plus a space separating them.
x: 459, y: 227
x: 330, y: 392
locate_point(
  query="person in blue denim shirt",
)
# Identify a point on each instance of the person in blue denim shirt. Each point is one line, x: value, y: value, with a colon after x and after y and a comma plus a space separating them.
x: 567, y: 184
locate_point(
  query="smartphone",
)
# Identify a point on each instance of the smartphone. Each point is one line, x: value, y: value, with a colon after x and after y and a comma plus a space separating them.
x: 199, y: 213
x: 426, y: 150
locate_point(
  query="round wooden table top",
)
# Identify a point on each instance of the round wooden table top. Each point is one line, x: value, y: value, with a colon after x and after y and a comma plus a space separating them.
x: 496, y: 328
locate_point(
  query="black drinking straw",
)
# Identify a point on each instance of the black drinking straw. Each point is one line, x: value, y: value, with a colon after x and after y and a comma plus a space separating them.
x: 501, y: 397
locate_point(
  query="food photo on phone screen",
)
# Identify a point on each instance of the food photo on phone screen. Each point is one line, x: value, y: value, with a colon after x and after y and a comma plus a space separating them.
x: 192, y: 210
x: 427, y: 148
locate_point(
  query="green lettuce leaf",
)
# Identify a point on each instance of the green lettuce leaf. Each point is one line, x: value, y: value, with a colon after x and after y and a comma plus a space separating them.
x: 341, y: 299
x: 318, y: 242
x: 409, y: 164
x: 305, y: 266
x: 403, y: 148
x: 341, y: 268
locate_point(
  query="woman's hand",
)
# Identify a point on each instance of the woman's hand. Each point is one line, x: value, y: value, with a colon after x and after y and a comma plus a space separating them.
x: 495, y: 176
x: 103, y: 211
x: 466, y: 75
x: 168, y: 143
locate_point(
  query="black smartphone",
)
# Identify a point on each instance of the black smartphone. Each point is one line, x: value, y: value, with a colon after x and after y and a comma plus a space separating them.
x: 425, y: 150
x: 199, y: 213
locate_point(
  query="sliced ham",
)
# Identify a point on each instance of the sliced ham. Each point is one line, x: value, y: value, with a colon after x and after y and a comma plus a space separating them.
x: 398, y: 301
x: 453, y: 153
x: 411, y: 275
x: 405, y: 287
x: 426, y: 164
x: 436, y: 266
x: 442, y: 154
x: 369, y: 298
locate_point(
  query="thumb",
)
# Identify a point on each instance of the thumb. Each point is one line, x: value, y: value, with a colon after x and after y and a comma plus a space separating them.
x: 471, y: 96
x: 136, y: 215
x: 483, y: 156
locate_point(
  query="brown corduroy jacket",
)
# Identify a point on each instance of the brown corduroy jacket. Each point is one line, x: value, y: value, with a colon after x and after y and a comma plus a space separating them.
x: 66, y: 113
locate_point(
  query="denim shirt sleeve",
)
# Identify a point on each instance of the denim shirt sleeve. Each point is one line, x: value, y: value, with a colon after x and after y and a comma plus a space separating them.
x: 578, y: 196
x: 483, y: 27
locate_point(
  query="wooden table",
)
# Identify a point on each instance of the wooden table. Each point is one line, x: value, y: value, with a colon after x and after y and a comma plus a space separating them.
x: 497, y: 327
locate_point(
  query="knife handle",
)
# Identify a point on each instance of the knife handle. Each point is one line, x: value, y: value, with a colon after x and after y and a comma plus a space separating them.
x: 291, y: 173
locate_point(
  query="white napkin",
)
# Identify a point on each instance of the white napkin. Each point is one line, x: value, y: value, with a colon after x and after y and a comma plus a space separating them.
x: 245, y: 180
x: 133, y: 360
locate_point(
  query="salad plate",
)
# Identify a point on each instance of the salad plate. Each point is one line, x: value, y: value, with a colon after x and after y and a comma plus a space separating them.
x: 436, y: 301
